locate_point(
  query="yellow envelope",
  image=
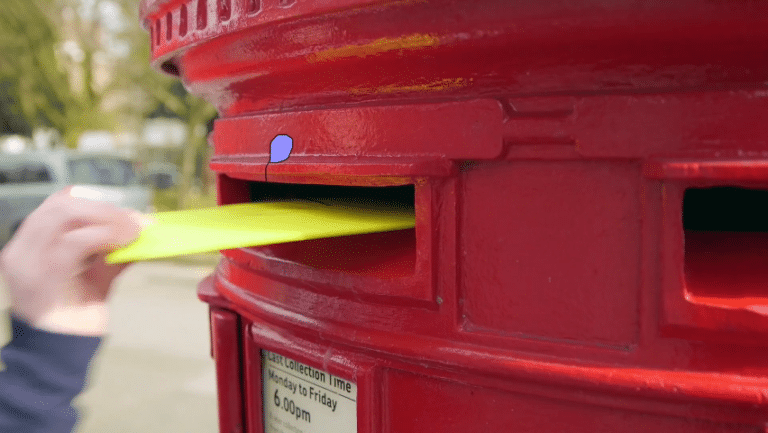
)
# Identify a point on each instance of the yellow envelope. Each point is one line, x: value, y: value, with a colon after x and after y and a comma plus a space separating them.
x: 254, y: 224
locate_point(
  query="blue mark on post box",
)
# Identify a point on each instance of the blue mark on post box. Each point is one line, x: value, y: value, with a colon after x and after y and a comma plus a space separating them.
x: 280, y: 149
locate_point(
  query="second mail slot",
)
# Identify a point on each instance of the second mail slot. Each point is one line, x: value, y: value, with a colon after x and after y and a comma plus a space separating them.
x: 726, y: 241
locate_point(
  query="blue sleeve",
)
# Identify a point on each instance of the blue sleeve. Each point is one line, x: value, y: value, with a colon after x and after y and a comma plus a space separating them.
x: 43, y: 372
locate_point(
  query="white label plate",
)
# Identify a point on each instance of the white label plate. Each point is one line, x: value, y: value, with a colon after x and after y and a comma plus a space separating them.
x: 302, y: 399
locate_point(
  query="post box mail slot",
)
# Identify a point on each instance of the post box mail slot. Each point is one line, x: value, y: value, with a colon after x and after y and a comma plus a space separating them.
x: 395, y: 264
x: 714, y: 241
x: 726, y: 245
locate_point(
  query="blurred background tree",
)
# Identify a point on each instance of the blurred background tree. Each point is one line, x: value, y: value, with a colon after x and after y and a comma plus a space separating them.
x: 35, y: 89
x: 83, y: 65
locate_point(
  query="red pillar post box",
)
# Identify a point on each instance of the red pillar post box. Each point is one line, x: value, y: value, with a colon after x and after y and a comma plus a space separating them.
x: 590, y: 184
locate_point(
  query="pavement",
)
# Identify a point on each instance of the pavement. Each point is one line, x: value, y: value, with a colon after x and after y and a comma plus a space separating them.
x: 154, y: 372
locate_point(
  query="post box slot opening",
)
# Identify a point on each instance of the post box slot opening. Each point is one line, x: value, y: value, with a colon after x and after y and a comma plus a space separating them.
x: 726, y: 246
x: 382, y: 255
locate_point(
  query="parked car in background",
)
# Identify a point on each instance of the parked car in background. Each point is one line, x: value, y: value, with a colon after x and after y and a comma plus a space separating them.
x: 160, y: 175
x: 26, y: 179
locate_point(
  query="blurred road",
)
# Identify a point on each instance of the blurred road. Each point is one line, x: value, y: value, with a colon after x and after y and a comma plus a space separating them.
x: 154, y: 372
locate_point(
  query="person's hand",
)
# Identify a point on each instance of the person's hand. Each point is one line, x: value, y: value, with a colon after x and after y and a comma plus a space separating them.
x: 54, y: 265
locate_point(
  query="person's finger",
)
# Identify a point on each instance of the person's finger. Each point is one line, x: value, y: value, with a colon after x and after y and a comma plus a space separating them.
x: 82, y: 243
x: 61, y: 213
x: 41, y: 226
x: 76, y: 210
x: 98, y: 280
x: 37, y: 230
x: 70, y: 213
x: 68, y: 206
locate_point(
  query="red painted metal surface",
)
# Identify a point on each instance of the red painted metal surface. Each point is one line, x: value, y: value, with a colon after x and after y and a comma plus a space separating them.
x: 226, y: 350
x: 553, y: 280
